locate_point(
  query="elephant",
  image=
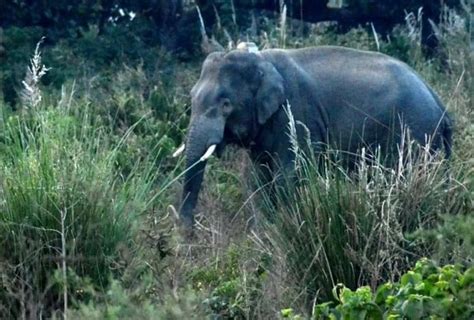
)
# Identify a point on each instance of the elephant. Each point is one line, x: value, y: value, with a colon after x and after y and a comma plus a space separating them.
x: 346, y: 98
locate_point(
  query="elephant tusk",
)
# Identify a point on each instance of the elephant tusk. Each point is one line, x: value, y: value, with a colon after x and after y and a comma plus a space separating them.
x: 179, y: 151
x: 208, y: 153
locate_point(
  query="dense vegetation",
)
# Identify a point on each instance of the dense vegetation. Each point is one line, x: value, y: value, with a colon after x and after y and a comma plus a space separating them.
x: 88, y: 191
x: 426, y: 291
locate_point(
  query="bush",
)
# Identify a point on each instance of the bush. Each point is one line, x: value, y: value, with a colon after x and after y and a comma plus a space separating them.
x: 121, y: 303
x: 426, y: 291
x: 234, y: 283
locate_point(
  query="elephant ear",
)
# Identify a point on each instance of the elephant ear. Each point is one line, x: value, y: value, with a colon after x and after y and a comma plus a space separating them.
x: 271, y: 93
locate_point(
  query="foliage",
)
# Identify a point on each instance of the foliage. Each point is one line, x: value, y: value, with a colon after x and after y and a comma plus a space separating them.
x: 120, y: 303
x: 333, y: 226
x: 425, y: 292
x: 61, y: 196
x: 451, y: 240
x: 65, y: 204
x: 234, y: 283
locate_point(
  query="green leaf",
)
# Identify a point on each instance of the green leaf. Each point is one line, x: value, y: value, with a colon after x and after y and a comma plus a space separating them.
x: 411, y: 278
x: 322, y: 309
x: 383, y: 292
x: 337, y: 291
x: 359, y: 314
x: 373, y: 311
x: 287, y: 313
x: 413, y: 307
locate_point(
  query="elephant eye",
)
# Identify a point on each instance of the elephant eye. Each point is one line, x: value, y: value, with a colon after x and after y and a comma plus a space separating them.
x: 226, y: 105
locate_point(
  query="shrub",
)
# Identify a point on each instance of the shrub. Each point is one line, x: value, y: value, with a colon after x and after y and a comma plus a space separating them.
x: 233, y: 282
x: 425, y: 292
x: 119, y: 302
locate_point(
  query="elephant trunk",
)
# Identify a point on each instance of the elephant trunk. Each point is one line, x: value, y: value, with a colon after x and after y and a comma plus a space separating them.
x: 192, y: 186
x: 203, y: 136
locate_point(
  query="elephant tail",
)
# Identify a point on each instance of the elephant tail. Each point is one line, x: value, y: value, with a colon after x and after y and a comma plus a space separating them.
x: 446, y: 125
x: 447, y: 135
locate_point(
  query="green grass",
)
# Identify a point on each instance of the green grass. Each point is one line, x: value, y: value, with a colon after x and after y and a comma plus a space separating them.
x: 329, y: 226
x: 63, y: 200
x: 67, y: 205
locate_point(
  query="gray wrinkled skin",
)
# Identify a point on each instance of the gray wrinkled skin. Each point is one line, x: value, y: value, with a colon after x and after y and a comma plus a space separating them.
x: 347, y: 98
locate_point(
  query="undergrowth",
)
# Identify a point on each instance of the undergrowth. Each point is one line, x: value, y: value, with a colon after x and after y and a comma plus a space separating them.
x: 327, y: 225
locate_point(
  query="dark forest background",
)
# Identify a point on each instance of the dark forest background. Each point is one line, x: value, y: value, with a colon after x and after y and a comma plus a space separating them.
x: 177, y: 21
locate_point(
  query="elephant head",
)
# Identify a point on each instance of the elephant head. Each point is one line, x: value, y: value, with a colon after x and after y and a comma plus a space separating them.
x: 236, y: 94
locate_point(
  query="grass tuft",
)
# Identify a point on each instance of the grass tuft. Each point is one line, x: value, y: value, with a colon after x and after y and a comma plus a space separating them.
x: 327, y: 225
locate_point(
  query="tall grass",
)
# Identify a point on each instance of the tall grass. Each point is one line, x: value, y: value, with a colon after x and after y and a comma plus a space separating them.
x: 66, y: 209
x: 330, y: 226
